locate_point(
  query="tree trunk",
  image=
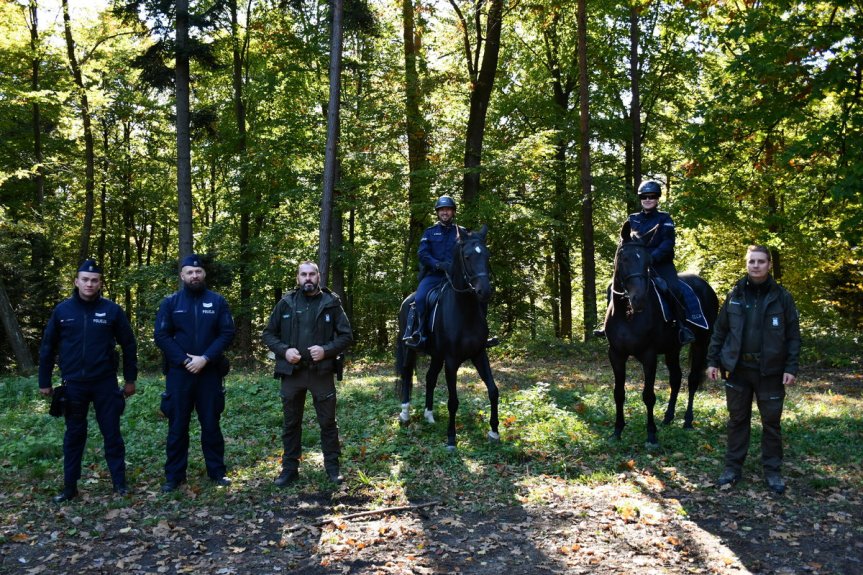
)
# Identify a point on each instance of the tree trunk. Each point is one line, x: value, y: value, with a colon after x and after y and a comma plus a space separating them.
x: 588, y: 262
x: 247, y: 199
x: 13, y: 333
x: 332, y: 141
x: 482, y: 79
x: 635, y: 104
x: 419, y: 181
x: 36, y: 63
x: 184, y: 143
x: 89, y: 152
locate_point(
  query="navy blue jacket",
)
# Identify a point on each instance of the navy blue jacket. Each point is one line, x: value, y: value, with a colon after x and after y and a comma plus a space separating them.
x: 436, y: 246
x: 194, y: 323
x: 660, y: 243
x: 86, y: 334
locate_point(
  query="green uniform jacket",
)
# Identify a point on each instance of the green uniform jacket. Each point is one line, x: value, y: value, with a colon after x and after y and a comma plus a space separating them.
x: 332, y: 332
x: 780, y: 342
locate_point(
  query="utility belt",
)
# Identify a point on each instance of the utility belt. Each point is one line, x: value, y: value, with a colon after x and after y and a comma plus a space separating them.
x: 751, y: 357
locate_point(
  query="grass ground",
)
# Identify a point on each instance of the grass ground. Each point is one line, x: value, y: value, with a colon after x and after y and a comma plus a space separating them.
x: 556, y: 492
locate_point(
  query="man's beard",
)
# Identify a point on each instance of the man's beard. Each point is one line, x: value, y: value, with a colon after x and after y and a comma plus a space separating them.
x: 310, y: 288
x: 197, y: 287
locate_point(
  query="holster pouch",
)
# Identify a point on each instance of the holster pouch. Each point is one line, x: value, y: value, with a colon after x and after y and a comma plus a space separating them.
x: 58, y: 402
x: 340, y: 366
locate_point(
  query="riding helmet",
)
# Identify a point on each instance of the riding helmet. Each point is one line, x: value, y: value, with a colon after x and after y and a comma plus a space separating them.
x: 444, y: 202
x: 649, y: 187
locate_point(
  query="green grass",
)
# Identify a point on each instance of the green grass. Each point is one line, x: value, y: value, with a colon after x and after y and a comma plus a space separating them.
x: 556, y: 416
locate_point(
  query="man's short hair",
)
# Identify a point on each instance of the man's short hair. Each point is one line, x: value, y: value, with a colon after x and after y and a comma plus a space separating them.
x: 308, y: 263
x: 760, y: 248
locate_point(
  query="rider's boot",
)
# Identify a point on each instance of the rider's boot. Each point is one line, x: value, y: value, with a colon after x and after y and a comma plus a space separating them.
x: 413, y: 337
x: 684, y: 335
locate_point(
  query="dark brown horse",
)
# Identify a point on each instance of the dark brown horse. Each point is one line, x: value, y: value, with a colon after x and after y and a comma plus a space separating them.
x: 637, y: 328
x: 457, y: 332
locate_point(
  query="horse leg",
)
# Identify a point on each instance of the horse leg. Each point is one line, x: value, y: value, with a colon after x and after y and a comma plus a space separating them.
x: 407, y: 380
x: 618, y: 366
x: 675, y: 376
x: 484, y: 370
x: 435, y: 366
x: 451, y: 371
x: 648, y: 396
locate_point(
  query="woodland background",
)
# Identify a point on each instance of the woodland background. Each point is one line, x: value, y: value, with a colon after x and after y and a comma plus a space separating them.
x: 748, y: 112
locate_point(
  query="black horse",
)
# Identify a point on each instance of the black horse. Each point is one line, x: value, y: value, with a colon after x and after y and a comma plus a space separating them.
x: 636, y: 327
x: 457, y: 331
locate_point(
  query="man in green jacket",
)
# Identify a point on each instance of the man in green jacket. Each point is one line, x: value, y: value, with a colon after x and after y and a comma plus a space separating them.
x: 756, y: 343
x: 307, y: 331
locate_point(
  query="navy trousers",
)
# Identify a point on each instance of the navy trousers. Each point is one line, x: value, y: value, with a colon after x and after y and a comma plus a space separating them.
x: 203, y: 393
x: 108, y: 403
x: 742, y: 386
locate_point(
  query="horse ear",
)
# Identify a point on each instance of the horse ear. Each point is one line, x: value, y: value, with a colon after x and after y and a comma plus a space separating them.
x: 482, y: 233
x: 625, y: 232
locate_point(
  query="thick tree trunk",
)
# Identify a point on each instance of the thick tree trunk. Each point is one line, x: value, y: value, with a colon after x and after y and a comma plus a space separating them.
x: 89, y: 151
x: 588, y: 262
x: 332, y: 141
x: 184, y: 143
x: 419, y: 181
x: 482, y: 78
x: 13, y: 333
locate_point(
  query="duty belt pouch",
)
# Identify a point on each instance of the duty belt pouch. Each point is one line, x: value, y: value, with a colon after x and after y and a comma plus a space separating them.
x: 58, y: 402
x: 224, y: 366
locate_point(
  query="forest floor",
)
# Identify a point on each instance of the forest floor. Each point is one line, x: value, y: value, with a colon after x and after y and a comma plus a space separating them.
x: 635, y: 521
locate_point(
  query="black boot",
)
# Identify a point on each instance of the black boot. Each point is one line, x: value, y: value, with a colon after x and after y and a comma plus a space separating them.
x: 70, y: 491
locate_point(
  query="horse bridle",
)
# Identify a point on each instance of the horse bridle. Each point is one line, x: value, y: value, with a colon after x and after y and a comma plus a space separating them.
x: 623, y: 291
x: 468, y: 278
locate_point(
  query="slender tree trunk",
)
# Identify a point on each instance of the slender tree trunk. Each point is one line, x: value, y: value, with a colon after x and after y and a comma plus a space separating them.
x: 89, y: 152
x: 588, y: 263
x: 332, y: 141
x: 13, y: 333
x: 184, y: 143
x: 419, y: 181
x: 247, y: 199
x: 561, y: 90
x: 482, y: 78
x: 36, y: 63
x: 635, y: 104
x: 103, y: 197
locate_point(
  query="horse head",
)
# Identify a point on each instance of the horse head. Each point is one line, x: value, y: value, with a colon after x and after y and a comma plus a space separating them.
x: 470, y: 270
x: 631, y: 268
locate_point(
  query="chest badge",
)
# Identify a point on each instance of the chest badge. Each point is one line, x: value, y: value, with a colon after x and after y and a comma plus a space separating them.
x: 207, y: 305
x: 775, y: 321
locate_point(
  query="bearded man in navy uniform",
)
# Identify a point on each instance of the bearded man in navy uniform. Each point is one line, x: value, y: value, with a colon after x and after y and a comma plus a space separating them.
x: 194, y: 327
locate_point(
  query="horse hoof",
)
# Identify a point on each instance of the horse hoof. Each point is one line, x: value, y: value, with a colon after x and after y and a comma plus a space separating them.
x: 494, y: 437
x: 429, y: 415
x: 450, y: 448
x: 403, y: 420
x: 688, y: 425
x: 651, y: 445
x: 668, y: 420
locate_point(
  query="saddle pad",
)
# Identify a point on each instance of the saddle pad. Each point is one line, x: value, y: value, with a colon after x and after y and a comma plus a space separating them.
x: 694, y: 313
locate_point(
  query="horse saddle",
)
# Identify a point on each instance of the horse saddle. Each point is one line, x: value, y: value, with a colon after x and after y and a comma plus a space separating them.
x: 691, y: 303
x: 432, y: 300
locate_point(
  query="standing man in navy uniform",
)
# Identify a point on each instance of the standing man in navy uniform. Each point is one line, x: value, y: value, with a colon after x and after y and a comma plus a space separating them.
x: 194, y: 326
x: 307, y: 331
x: 84, y: 331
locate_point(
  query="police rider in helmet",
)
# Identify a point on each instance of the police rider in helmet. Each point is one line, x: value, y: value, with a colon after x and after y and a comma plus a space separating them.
x: 435, y: 255
x: 657, y: 229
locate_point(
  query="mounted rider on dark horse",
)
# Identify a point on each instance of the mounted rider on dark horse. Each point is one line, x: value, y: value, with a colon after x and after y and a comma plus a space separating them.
x: 656, y: 230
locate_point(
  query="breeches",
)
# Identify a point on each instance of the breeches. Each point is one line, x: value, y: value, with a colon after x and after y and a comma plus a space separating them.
x: 427, y: 284
x: 203, y: 393
x: 108, y: 403
x: 293, y: 393
x: 769, y: 394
